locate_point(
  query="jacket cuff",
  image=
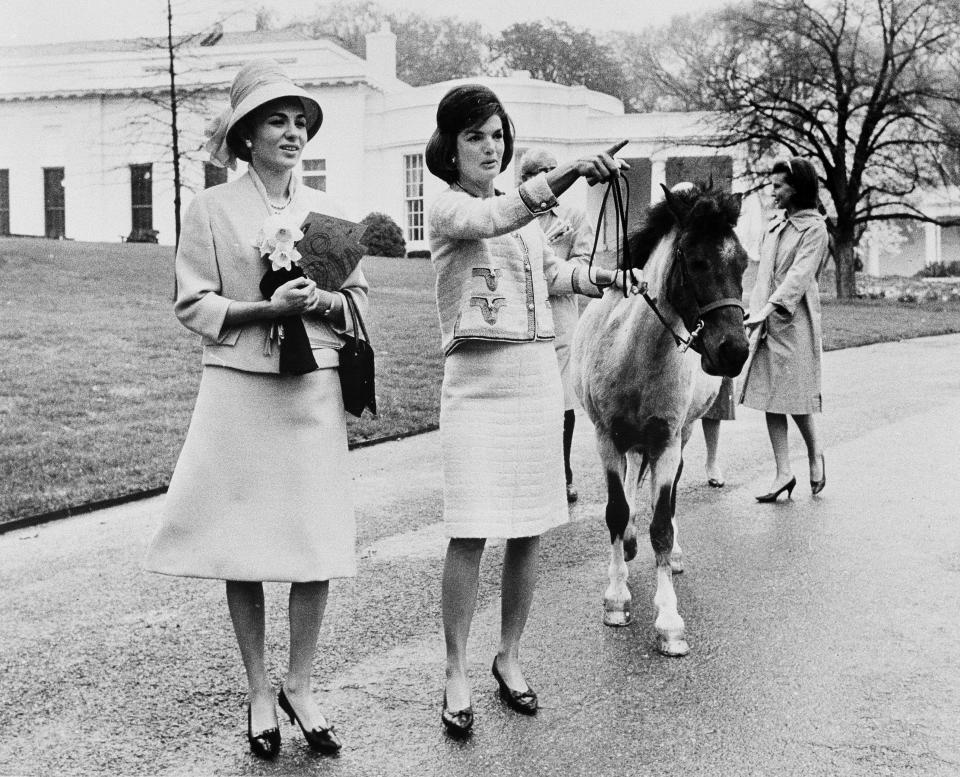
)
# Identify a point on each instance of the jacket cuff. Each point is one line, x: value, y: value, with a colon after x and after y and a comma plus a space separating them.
x: 582, y: 284
x: 536, y: 195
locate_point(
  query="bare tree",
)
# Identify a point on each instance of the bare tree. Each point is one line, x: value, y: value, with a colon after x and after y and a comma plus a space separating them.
x: 429, y: 48
x: 183, y: 90
x: 866, y: 88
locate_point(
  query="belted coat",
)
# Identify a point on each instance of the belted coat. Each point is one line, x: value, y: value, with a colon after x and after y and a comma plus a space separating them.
x: 783, y: 375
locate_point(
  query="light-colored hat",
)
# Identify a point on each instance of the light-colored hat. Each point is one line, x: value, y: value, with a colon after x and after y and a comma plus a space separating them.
x: 535, y: 158
x: 257, y: 83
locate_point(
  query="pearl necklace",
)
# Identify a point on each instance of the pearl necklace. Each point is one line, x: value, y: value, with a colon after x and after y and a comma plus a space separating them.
x: 279, y: 208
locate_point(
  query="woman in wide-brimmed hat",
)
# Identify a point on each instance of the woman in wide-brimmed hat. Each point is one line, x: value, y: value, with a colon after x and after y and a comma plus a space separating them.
x: 261, y: 491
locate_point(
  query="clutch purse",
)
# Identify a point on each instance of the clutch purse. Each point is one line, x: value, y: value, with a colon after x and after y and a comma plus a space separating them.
x: 356, y: 366
x: 329, y: 249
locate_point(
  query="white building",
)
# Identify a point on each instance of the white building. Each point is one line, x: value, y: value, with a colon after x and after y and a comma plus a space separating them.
x: 84, y: 149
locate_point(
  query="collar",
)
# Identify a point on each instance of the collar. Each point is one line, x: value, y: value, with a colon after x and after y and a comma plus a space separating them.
x: 258, y: 184
x: 801, y: 220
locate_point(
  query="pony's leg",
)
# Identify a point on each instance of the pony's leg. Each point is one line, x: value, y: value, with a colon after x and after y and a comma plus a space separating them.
x: 676, y: 552
x: 616, y: 599
x: 669, y: 625
x: 636, y: 468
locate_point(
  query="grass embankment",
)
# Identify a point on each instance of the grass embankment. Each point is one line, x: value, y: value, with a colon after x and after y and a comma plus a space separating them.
x: 98, y: 379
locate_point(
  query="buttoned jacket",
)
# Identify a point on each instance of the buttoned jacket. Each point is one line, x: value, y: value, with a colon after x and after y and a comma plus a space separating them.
x: 218, y: 261
x: 494, y: 269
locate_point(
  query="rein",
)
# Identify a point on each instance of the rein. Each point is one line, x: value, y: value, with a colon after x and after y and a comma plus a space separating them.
x: 622, y: 252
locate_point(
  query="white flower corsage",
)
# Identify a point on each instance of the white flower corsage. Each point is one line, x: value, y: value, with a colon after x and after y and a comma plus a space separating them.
x: 277, y: 241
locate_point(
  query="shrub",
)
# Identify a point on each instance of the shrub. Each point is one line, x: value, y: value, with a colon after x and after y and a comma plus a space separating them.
x: 383, y: 237
x: 939, y: 270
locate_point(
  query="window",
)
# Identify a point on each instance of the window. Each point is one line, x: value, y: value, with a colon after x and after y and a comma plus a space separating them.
x: 315, y: 173
x: 54, y: 209
x: 413, y: 195
x: 213, y: 175
x: 141, y: 197
x: 4, y: 202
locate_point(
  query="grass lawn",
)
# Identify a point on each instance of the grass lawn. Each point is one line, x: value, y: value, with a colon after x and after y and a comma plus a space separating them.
x: 98, y: 379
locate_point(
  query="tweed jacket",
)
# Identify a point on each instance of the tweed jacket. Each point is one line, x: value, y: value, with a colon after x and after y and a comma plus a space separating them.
x: 494, y: 269
x: 218, y: 262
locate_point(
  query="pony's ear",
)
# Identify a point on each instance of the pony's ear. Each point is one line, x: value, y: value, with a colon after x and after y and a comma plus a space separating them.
x: 737, y: 199
x: 675, y: 207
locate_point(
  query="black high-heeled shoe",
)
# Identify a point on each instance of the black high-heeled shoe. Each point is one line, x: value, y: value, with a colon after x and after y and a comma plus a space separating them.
x: 322, y: 740
x: 458, y: 723
x: 816, y: 486
x: 772, y: 496
x: 525, y: 702
x: 264, y: 745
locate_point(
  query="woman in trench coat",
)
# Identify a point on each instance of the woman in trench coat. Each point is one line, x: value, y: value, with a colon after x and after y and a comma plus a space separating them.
x: 783, y: 376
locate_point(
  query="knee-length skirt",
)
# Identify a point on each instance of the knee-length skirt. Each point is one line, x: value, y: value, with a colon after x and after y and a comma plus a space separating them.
x: 501, y: 433
x: 262, y: 488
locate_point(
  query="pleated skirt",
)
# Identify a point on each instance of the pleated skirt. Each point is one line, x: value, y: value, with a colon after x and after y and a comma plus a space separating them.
x: 262, y: 488
x: 501, y: 433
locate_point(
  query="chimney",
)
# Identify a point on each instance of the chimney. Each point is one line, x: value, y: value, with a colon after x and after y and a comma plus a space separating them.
x: 382, y: 54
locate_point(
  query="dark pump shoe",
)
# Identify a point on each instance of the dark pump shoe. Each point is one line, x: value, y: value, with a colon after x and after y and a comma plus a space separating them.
x: 816, y: 486
x: 772, y: 496
x: 322, y: 740
x: 524, y: 702
x: 458, y: 724
x: 264, y: 745
x: 572, y: 494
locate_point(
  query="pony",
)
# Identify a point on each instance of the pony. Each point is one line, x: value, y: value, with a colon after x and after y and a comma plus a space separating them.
x: 647, y: 366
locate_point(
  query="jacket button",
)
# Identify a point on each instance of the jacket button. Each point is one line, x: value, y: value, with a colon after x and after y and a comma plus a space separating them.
x: 543, y: 205
x: 530, y: 306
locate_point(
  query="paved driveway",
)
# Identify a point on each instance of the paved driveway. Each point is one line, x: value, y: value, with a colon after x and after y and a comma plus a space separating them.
x: 824, y: 631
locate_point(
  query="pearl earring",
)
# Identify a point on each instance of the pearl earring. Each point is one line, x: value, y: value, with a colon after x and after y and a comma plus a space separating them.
x: 248, y: 143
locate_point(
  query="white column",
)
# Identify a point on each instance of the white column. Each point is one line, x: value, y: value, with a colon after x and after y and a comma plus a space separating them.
x: 658, y: 175
x: 932, y: 245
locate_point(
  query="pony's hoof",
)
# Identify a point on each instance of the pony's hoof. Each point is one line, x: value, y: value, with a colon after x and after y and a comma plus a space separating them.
x: 676, y: 565
x: 617, y: 618
x: 672, y: 646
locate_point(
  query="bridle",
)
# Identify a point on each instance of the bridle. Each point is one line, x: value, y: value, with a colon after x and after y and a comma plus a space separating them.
x: 621, y: 206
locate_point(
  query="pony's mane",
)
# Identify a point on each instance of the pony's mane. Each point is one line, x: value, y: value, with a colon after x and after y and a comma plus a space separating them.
x: 712, y: 211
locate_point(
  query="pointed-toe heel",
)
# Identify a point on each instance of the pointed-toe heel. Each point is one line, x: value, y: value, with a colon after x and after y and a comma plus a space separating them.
x: 264, y: 745
x: 772, y: 496
x: 459, y: 723
x: 816, y: 486
x: 715, y: 483
x: 322, y: 740
x: 524, y: 702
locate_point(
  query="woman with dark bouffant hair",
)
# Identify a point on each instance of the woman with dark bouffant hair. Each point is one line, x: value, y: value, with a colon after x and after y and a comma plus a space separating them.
x: 501, y: 403
x: 783, y: 376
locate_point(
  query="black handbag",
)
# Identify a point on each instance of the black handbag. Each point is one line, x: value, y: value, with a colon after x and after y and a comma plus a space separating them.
x: 356, y: 366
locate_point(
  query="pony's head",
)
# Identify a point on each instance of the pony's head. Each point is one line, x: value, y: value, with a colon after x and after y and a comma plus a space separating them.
x: 705, y: 282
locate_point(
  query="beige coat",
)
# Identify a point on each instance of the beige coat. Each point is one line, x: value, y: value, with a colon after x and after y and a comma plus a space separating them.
x: 783, y: 375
